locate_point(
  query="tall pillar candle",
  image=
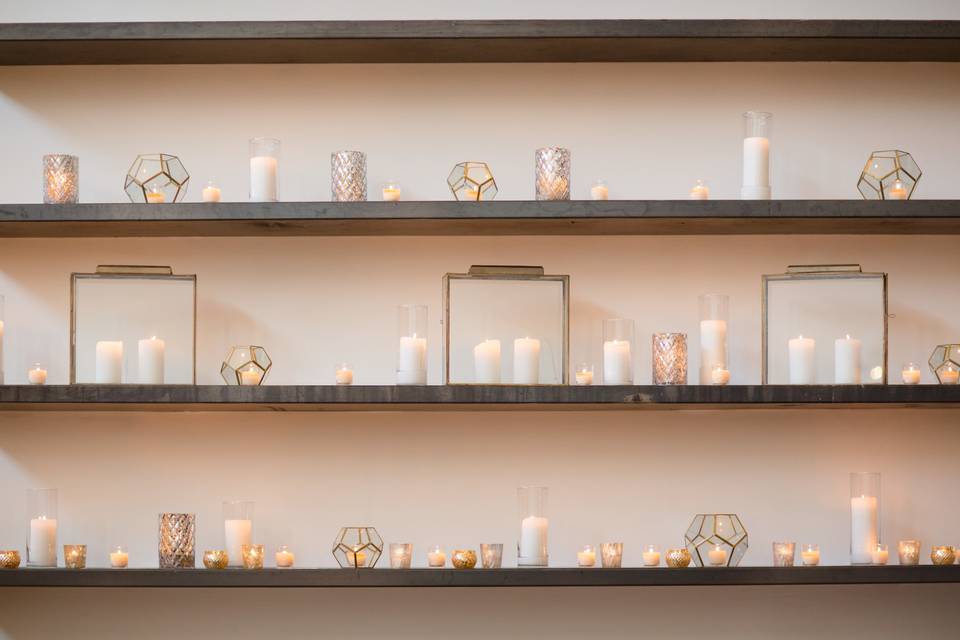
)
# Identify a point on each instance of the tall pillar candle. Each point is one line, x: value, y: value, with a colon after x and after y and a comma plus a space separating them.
x: 412, y: 368
x: 236, y: 534
x: 526, y: 361
x: 109, y: 363
x: 486, y: 362
x: 617, y: 362
x: 756, y: 156
x: 847, y: 361
x: 263, y: 179
x: 864, y: 527
x: 802, y: 360
x: 532, y: 550
x: 713, y: 348
x: 1, y: 342
x: 42, y: 544
x: 150, y: 361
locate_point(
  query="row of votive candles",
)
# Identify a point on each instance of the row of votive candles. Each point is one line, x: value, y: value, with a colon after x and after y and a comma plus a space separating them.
x: 908, y: 553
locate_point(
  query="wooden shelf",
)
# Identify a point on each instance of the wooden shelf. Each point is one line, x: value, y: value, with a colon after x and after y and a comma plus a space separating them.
x: 465, y: 397
x: 448, y: 218
x: 341, y: 578
x: 442, y: 41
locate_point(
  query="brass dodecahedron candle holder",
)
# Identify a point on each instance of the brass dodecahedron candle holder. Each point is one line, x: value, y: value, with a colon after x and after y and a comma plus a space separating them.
x: 945, y: 363
x: 246, y: 365
x: 889, y: 175
x: 472, y: 182
x: 357, y: 547
x: 715, y: 532
x: 156, y: 178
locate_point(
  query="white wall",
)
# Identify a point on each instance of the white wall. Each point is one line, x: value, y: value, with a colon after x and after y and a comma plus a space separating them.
x: 449, y: 478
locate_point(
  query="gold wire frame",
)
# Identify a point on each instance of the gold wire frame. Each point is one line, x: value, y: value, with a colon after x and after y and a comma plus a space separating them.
x: 703, y: 532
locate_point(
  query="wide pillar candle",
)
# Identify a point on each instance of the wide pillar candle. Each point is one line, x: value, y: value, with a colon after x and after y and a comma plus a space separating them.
x: 802, y: 360
x: 617, y: 362
x: 412, y: 368
x: 109, y: 364
x: 864, y: 528
x: 526, y: 361
x: 237, y: 533
x: 43, y: 542
x: 150, y: 361
x: 532, y: 550
x: 263, y: 179
x: 486, y: 362
x: 846, y: 361
x: 713, y: 348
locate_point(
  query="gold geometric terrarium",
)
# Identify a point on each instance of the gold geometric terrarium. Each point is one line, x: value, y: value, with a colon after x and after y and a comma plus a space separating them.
x: 246, y: 365
x: 710, y: 531
x: 357, y: 547
x: 889, y: 175
x: 472, y: 181
x: 945, y: 363
x: 156, y: 178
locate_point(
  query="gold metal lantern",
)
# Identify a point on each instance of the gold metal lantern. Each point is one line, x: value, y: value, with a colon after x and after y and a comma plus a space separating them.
x: 472, y: 181
x: 722, y: 534
x: 156, y: 178
x: 357, y: 547
x: 889, y: 175
x: 246, y: 365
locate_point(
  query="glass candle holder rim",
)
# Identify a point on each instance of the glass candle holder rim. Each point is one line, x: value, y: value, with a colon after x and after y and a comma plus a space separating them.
x: 760, y: 115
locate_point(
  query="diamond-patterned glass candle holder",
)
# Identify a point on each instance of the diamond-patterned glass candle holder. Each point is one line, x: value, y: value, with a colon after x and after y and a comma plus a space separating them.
x: 61, y: 179
x: 711, y: 533
x: 889, y: 175
x: 75, y: 556
x: 9, y: 559
x: 156, y: 178
x: 357, y: 547
x: 678, y: 558
x: 669, y: 358
x: 177, y: 539
x: 908, y: 552
x: 472, y: 182
x: 252, y: 556
x: 216, y: 559
x: 945, y: 363
x: 943, y: 555
x: 552, y: 173
x: 246, y: 365
x: 348, y: 176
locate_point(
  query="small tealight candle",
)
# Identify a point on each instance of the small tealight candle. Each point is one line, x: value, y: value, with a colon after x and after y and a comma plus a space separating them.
x: 471, y: 194
x: 599, y: 191
x: 720, y: 376
x: 910, y: 374
x: 37, y: 375
x: 356, y: 557
x: 211, y: 193
x: 119, y: 558
x: 879, y: 554
x: 700, y: 191
x: 344, y: 374
x: 949, y: 374
x: 584, y: 375
x: 436, y: 557
x: 909, y: 552
x: 391, y: 192
x: 155, y: 196
x: 897, y: 191
x: 810, y: 555
x: 651, y: 556
x: 717, y: 556
x: 587, y: 557
x: 250, y: 377
x: 284, y: 557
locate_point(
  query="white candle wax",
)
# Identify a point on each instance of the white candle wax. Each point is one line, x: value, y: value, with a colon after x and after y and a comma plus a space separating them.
x: 391, y: 194
x: 700, y: 192
x: 344, y: 376
x: 263, y: 179
x: 719, y: 377
x: 526, y: 361
x: 617, y: 362
x: 600, y: 192
x: 412, y: 368
x: 756, y: 162
x: 879, y: 556
x: 37, y: 375
x: 949, y: 376
x: 150, y: 352
x: 717, y: 556
x: 119, y: 559
x: 846, y: 361
x: 910, y: 376
x: 713, y: 348
x: 803, y: 363
x: 43, y: 542
x: 863, y: 528
x: 1, y: 351
x: 236, y: 534
x: 436, y: 558
x: 284, y: 559
x: 211, y: 193
x: 109, y: 365
x: 810, y: 558
x: 586, y: 558
x: 651, y: 558
x: 155, y: 197
x: 250, y: 377
x: 584, y: 377
x: 486, y: 362
x: 532, y: 550
x: 897, y: 192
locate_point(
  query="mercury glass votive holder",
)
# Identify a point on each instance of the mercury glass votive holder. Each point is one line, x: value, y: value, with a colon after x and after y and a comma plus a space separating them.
x: 810, y: 554
x: 669, y: 358
x: 552, y: 173
x: 75, y: 556
x: 400, y: 555
x: 611, y: 555
x: 908, y: 552
x: 348, y: 176
x: 252, y: 556
x: 61, y: 179
x: 783, y: 553
x: 177, y: 539
x: 491, y: 555
x: 943, y: 555
x: 463, y: 558
x: 9, y: 559
x: 678, y: 558
x: 216, y: 559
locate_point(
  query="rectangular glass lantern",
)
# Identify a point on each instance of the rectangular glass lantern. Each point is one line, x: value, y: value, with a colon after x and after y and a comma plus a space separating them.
x: 825, y: 324
x: 506, y: 325
x: 131, y: 324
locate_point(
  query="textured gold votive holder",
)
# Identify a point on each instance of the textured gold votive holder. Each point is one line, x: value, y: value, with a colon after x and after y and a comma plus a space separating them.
x: 9, y: 559
x: 61, y: 179
x: 75, y: 556
x: 215, y: 559
x: 943, y: 555
x: 463, y: 558
x: 909, y: 552
x: 252, y: 556
x: 669, y: 358
x: 678, y: 558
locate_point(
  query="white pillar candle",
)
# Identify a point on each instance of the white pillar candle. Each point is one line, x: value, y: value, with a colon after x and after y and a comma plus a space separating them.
x: 713, y: 348
x: 533, y: 541
x: 37, y: 375
x: 717, y: 556
x: 1, y: 351
x: 150, y: 359
x: 863, y: 528
x: 526, y: 361
x: 109, y: 365
x: 119, y: 558
x: 486, y: 362
x: 43, y: 542
x: 803, y: 362
x: 412, y: 368
x: 263, y: 179
x: 211, y: 193
x: 617, y: 362
x: 236, y: 534
x: 846, y: 361
x: 599, y: 192
x: 756, y: 168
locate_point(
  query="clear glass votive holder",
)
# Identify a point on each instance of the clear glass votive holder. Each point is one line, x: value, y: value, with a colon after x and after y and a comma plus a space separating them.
x: 600, y: 190
x: 611, y: 555
x: 401, y: 555
x: 119, y: 558
x: 810, y: 554
x: 910, y: 374
x: 252, y: 556
x: 783, y: 554
x: 908, y: 552
x: 391, y: 191
x: 587, y: 556
x: 343, y: 374
x: 880, y: 554
x: 37, y: 375
x: 284, y: 558
x: 491, y: 555
x: 651, y: 555
x: 436, y: 557
x: 583, y: 375
x: 75, y: 556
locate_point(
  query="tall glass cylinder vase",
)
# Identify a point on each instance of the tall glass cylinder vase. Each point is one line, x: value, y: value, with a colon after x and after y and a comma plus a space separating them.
x: 348, y: 176
x: 264, y: 169
x: 864, y: 516
x: 412, y: 353
x: 617, y: 355
x: 552, y: 173
x: 532, y: 547
x: 61, y: 179
x: 42, y: 527
x: 756, y: 155
x: 1, y: 339
x: 178, y: 537
x: 237, y: 529
x: 714, y: 314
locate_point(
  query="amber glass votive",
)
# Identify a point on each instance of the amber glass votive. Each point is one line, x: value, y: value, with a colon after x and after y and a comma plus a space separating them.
x: 9, y: 559
x: 216, y: 559
x: 491, y: 555
x: 678, y: 558
x: 942, y: 555
x: 463, y: 558
x: 75, y: 556
x: 252, y: 556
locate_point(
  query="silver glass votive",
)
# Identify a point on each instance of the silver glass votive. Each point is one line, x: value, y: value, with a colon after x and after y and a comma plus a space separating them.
x: 61, y: 179
x: 348, y: 176
x: 553, y: 173
x: 177, y: 539
x: 669, y: 358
